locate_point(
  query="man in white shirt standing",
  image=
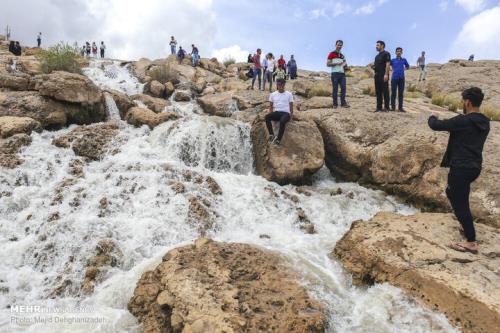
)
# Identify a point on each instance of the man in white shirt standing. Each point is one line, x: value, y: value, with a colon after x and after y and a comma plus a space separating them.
x: 280, y: 109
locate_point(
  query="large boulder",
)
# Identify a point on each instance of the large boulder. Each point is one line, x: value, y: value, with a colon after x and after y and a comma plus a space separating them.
x: 89, y: 141
x: 156, y: 89
x: 224, y: 287
x: 154, y: 104
x: 140, y: 116
x: 52, y: 114
x: 221, y: 104
x: 15, y: 125
x: 411, y: 252
x: 247, y: 99
x: 299, y: 156
x: 317, y: 102
x: 403, y: 158
x: 68, y: 87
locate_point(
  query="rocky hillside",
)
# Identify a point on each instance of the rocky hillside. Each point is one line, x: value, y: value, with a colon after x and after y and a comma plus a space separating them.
x: 394, y: 152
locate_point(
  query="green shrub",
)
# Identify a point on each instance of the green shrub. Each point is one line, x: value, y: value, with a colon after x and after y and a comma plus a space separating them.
x: 164, y: 73
x: 229, y: 61
x: 61, y: 57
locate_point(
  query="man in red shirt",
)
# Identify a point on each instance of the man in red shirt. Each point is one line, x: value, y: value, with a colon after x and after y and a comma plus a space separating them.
x: 282, y: 62
x: 257, y: 68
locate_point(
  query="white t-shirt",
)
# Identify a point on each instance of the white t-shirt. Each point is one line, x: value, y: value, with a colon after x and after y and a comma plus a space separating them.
x: 270, y: 65
x: 281, y: 101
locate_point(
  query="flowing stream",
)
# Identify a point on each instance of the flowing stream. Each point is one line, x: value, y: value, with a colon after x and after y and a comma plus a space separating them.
x: 43, y: 259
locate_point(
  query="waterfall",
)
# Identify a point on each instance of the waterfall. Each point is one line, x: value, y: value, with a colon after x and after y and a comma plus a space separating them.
x: 51, y: 221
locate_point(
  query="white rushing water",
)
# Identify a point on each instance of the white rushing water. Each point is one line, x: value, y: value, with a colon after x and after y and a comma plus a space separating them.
x: 145, y: 218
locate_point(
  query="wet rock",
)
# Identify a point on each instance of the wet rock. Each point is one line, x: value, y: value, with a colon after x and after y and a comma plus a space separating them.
x: 9, y: 148
x: 178, y: 187
x: 76, y: 168
x: 213, y: 186
x: 199, y: 215
x: 169, y: 89
x: 14, y: 125
x: 91, y: 141
x: 221, y: 105
x: 298, y: 157
x: 140, y: 116
x: 182, y: 96
x: 411, y: 253
x: 123, y: 101
x: 53, y: 217
x: 107, y: 255
x: 156, y: 105
x: 220, y: 287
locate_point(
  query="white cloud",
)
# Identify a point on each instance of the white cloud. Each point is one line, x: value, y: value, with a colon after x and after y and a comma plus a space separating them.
x: 234, y: 52
x: 414, y: 26
x: 471, y: 6
x: 129, y: 28
x: 443, y: 5
x: 317, y: 13
x: 369, y: 7
x: 328, y: 9
x: 480, y: 36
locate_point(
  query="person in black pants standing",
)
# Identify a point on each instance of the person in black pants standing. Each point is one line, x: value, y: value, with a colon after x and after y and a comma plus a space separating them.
x: 382, y: 67
x: 463, y: 156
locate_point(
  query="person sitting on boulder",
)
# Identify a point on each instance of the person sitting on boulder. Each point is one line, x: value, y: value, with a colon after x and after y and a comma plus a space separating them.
x: 181, y: 55
x: 463, y: 156
x: 280, y: 109
x: 12, y: 46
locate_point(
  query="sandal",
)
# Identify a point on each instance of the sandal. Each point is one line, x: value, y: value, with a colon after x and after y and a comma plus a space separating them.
x: 460, y: 248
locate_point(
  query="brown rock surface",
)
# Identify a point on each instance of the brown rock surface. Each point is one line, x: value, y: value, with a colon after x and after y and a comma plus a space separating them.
x: 299, y: 156
x: 68, y: 87
x: 154, y: 104
x: 123, y: 101
x: 140, y: 116
x: 218, y: 104
x: 219, y: 287
x: 14, y: 125
x: 156, y: 89
x: 14, y: 81
x: 411, y: 252
x: 91, y: 141
x: 50, y: 113
x: 9, y: 148
x: 401, y: 155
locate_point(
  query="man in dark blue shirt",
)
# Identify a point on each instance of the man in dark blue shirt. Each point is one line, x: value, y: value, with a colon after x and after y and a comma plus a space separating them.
x: 398, y: 65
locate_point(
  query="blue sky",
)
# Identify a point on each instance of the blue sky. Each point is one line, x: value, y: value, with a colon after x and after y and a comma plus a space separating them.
x: 307, y: 28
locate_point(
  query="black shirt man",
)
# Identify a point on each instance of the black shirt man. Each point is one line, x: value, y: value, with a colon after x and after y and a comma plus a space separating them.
x: 382, y: 67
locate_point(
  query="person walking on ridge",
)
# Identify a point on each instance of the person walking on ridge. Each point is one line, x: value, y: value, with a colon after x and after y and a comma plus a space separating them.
x: 382, y: 67
x: 257, y: 68
x: 269, y: 67
x: 103, y: 49
x: 337, y: 62
x: 88, y: 49
x: 463, y: 156
x: 173, y: 45
x: 280, y: 109
x: 292, y: 68
x: 398, y: 65
x: 195, y: 55
x: 39, y: 39
x: 181, y: 54
x: 421, y: 67
x: 94, y: 50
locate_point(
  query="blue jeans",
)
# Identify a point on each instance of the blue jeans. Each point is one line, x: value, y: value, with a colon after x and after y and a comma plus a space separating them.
x: 172, y: 49
x: 339, y: 78
x: 257, y: 72
x: 194, y: 59
x: 399, y: 86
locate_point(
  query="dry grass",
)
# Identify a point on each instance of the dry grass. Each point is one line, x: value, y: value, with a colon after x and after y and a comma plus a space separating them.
x: 411, y: 88
x: 411, y: 94
x: 319, y: 90
x: 491, y: 112
x: 451, y: 103
x: 164, y: 74
x: 229, y: 61
x: 369, y: 91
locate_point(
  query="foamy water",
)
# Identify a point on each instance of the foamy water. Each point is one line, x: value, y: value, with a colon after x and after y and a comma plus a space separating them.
x: 145, y: 218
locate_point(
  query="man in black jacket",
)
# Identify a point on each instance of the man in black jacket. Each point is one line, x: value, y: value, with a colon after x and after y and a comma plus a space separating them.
x: 463, y: 156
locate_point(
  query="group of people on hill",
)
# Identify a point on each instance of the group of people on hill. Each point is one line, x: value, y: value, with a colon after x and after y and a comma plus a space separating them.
x: 15, y: 48
x: 181, y: 54
x: 273, y: 70
x: 88, y: 50
x: 382, y: 66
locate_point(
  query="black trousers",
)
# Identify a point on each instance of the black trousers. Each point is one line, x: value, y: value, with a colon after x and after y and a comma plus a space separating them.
x: 382, y: 91
x: 282, y: 117
x: 458, y: 190
x: 397, y: 85
x: 102, y: 53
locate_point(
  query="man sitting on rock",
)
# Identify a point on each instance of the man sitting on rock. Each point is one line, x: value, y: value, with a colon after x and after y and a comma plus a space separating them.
x: 463, y: 156
x: 280, y: 109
